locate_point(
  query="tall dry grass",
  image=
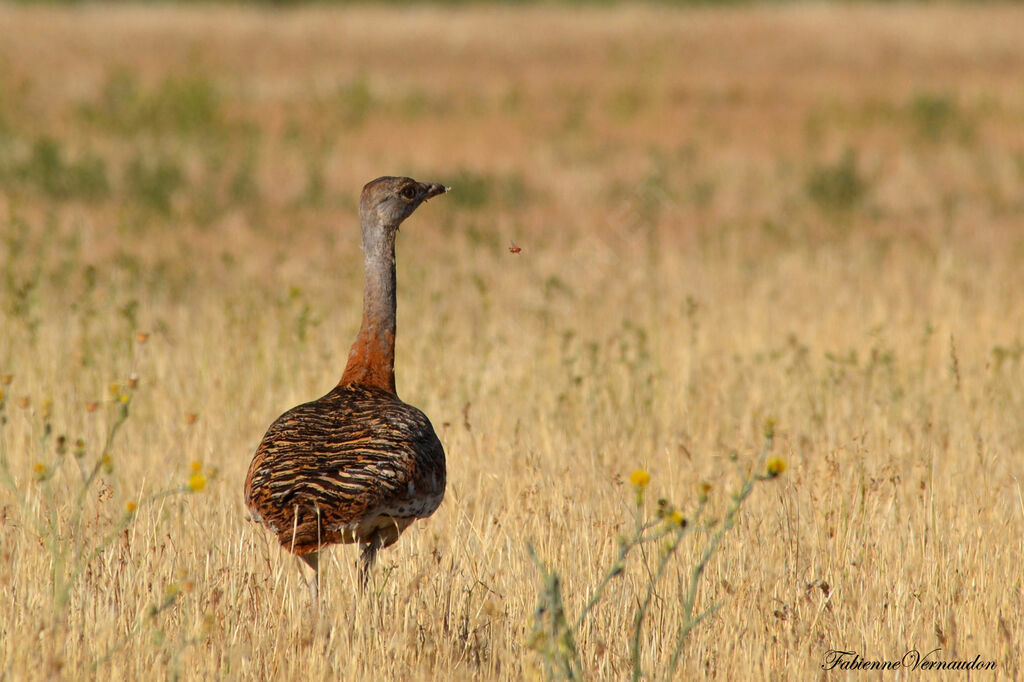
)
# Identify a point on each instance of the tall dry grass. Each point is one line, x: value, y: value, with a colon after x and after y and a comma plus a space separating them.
x: 805, y: 214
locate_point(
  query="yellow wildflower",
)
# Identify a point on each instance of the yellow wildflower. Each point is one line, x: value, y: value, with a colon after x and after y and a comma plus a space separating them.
x: 775, y: 466
x: 196, y: 466
x: 677, y: 518
x: 639, y: 478
x: 130, y: 506
x: 196, y: 482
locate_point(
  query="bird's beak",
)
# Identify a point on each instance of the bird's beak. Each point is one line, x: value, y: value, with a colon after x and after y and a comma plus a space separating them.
x: 433, y: 189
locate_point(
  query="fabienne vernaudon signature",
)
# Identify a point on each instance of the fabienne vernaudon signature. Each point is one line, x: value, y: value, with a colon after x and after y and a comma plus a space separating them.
x: 838, y: 659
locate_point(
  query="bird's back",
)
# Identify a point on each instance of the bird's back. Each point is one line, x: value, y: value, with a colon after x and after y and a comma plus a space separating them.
x: 355, y: 462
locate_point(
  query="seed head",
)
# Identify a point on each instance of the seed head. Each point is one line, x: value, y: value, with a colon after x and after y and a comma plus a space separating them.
x: 664, y: 508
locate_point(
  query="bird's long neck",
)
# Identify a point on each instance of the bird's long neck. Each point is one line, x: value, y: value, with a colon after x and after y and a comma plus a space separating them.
x: 371, y: 361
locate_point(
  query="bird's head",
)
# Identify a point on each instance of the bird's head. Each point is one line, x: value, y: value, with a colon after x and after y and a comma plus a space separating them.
x: 387, y: 201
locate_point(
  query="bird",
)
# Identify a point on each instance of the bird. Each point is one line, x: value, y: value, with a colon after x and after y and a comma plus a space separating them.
x: 357, y: 465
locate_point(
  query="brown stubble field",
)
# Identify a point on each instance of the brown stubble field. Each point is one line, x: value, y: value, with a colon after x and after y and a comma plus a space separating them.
x: 807, y: 216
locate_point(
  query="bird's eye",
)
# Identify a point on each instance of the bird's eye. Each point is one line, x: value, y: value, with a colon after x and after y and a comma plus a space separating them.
x: 409, y: 193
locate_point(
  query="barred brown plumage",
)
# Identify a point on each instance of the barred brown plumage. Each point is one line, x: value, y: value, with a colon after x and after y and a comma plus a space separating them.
x: 358, y: 464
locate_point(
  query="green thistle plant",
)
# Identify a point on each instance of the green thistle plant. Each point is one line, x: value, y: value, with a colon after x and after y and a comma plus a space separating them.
x: 554, y: 633
x: 62, y: 527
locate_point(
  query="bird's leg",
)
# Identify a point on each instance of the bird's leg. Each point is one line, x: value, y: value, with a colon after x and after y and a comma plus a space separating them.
x: 367, y: 556
x: 312, y: 559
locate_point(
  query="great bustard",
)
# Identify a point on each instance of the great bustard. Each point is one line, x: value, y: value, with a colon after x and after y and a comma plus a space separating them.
x: 358, y: 464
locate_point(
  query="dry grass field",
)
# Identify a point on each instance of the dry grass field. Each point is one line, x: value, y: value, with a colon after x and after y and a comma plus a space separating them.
x: 807, y: 214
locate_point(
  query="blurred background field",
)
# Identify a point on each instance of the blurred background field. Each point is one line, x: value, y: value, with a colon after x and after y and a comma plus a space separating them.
x: 806, y: 213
